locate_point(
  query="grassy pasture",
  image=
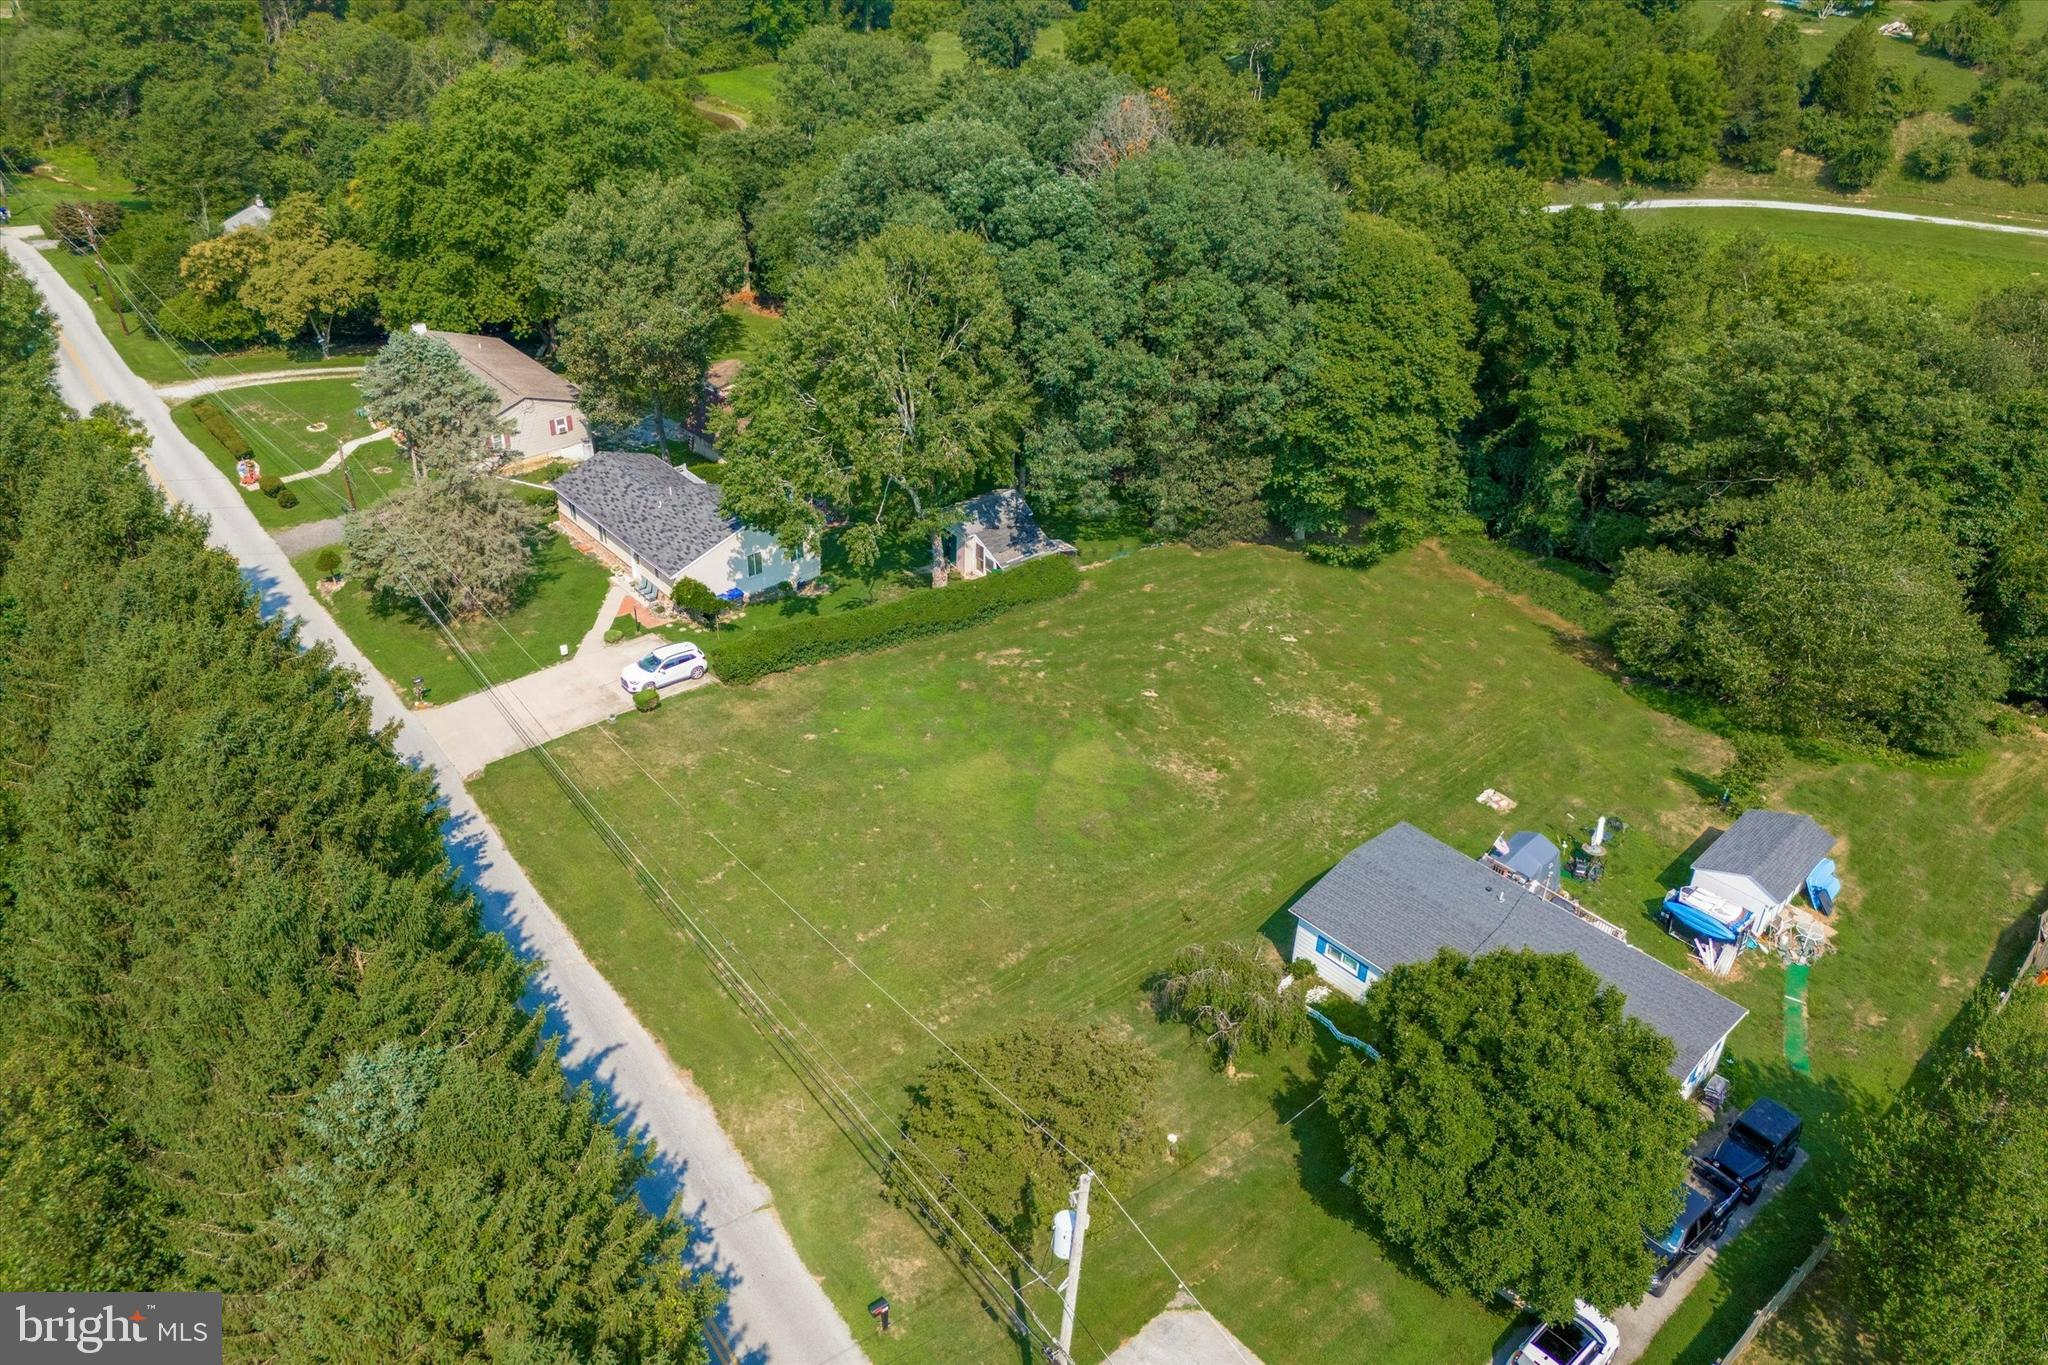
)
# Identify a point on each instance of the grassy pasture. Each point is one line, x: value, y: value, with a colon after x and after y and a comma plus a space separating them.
x: 1033, y: 816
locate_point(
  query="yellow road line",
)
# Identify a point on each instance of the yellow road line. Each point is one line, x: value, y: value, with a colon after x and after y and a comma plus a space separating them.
x: 79, y: 361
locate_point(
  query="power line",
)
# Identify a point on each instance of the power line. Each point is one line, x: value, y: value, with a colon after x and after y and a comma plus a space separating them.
x: 730, y: 977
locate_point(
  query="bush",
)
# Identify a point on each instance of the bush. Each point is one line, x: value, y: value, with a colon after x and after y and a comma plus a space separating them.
x: 328, y: 562
x: 646, y: 699
x: 82, y: 224
x: 1758, y: 759
x: 270, y: 485
x: 612, y: 636
x: 746, y: 657
x: 625, y: 625
x: 694, y: 599
x: 1937, y: 156
x: 286, y: 498
x: 222, y: 428
x: 1577, y: 594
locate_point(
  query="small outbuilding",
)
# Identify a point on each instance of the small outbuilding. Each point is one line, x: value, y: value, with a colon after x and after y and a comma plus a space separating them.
x: 1402, y: 896
x: 1766, y: 858
x: 997, y: 531
x: 1530, y: 858
x: 665, y: 524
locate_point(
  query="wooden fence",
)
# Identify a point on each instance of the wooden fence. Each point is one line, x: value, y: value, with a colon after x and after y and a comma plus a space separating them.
x: 1778, y: 1301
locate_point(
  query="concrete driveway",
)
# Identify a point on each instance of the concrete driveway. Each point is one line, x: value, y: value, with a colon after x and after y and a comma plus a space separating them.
x: 1639, y: 1325
x: 1182, y: 1335
x: 557, y: 700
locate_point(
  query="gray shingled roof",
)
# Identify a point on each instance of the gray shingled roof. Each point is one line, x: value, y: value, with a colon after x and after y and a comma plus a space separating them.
x: 1534, y: 857
x: 1003, y: 522
x: 511, y: 372
x: 665, y: 517
x: 1774, y: 847
x: 1402, y: 895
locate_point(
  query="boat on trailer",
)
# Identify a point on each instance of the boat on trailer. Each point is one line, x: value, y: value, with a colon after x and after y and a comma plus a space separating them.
x: 1703, y: 913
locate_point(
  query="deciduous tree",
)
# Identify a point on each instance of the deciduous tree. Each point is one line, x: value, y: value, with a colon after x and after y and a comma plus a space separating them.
x: 641, y: 276
x: 1371, y: 462
x: 1086, y: 1096
x: 461, y: 540
x: 304, y: 278
x: 1943, y: 1226
x: 889, y: 391
x: 1519, y: 1129
x: 1231, y: 995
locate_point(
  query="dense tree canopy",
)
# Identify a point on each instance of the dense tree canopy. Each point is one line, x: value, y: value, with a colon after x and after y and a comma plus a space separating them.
x: 252, y: 1036
x: 1944, y: 1222
x: 452, y: 204
x: 889, y: 392
x: 1518, y: 1130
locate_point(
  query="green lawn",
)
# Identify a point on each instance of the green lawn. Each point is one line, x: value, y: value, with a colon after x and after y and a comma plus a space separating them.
x: 1036, y: 814
x: 273, y: 418
x: 743, y: 331
x: 748, y: 91
x: 561, y: 603
x: 1958, y: 265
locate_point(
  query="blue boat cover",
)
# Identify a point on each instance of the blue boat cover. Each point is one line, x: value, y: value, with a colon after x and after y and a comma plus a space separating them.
x: 1705, y: 925
x: 1823, y: 880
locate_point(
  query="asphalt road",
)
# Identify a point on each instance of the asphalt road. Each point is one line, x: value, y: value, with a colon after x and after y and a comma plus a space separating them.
x: 777, y: 1313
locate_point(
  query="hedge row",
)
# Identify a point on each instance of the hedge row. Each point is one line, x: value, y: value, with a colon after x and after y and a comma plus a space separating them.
x: 1577, y: 594
x: 748, y: 656
x: 222, y: 428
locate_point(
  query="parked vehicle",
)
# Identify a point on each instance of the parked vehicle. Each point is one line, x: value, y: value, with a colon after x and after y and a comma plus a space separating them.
x: 1710, y: 1200
x: 1765, y: 1138
x: 1588, y: 1339
x: 667, y: 664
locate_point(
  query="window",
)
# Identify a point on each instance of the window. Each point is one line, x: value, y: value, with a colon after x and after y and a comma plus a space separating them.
x: 500, y: 442
x: 1342, y: 958
x: 756, y: 563
x: 560, y: 426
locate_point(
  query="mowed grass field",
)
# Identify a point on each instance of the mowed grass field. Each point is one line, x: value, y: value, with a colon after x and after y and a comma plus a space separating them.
x: 1032, y: 817
x: 1956, y: 265
x: 274, y: 419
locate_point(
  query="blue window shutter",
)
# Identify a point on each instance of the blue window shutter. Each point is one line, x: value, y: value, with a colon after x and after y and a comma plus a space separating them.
x: 1322, y: 944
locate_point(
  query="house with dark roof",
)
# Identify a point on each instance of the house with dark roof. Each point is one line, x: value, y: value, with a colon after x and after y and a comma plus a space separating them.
x: 1765, y: 859
x: 996, y: 531
x: 664, y: 523
x: 1403, y: 896
x: 540, y: 405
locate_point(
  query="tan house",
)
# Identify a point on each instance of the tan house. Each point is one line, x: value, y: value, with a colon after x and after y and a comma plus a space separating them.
x: 540, y: 404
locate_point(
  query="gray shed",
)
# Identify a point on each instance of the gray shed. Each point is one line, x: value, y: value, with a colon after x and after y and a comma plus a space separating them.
x: 1533, y: 858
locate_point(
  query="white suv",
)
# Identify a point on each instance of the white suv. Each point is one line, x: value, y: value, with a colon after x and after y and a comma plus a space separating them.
x: 1588, y: 1339
x: 667, y: 664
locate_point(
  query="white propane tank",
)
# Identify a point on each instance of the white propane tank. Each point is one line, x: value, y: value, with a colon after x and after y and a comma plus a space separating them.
x: 1063, y: 1234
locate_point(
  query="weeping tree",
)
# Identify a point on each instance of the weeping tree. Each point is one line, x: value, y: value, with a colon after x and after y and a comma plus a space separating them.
x: 1233, y: 994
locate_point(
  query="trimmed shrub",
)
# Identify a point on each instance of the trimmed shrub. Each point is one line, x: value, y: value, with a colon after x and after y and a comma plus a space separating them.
x: 222, y: 428
x: 328, y: 562
x: 694, y: 598
x: 625, y: 626
x: 270, y: 485
x: 646, y: 699
x: 746, y: 657
x: 1577, y: 594
x: 286, y: 498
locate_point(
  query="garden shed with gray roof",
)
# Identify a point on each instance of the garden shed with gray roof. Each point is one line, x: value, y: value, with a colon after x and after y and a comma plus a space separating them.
x: 1403, y: 896
x: 665, y: 525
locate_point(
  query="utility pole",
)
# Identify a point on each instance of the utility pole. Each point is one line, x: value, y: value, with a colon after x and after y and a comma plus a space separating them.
x: 1070, y: 1292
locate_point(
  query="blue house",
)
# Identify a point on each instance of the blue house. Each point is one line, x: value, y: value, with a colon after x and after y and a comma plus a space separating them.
x: 1402, y: 896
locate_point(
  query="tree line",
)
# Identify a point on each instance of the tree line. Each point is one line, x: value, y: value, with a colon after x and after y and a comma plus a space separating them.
x: 1267, y: 272
x: 253, y: 1038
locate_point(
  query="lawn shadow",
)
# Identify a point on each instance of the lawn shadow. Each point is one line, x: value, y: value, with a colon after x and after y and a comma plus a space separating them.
x: 1278, y: 928
x: 1678, y: 871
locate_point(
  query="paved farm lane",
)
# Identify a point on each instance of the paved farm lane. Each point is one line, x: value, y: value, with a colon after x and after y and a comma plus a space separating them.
x: 777, y: 1314
x: 1801, y: 206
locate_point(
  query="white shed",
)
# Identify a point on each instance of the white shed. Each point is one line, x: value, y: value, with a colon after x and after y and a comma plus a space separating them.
x: 1762, y: 862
